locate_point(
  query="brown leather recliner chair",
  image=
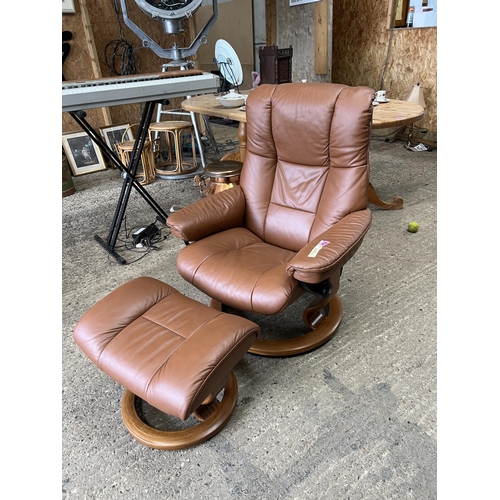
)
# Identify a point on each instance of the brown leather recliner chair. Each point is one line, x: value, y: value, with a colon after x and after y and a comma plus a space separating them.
x: 299, y: 214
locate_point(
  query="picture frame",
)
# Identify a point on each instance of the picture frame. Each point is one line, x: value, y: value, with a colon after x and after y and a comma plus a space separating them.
x: 113, y: 134
x: 83, y: 155
x: 68, y: 6
x: 401, y: 10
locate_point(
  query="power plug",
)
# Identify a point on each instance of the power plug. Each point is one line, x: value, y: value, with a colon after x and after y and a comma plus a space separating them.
x: 145, y: 233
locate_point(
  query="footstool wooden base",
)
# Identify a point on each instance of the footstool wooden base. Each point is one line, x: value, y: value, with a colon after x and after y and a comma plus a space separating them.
x: 172, y: 352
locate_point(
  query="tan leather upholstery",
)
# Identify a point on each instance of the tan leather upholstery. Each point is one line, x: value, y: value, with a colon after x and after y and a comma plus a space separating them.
x: 164, y: 347
x: 304, y: 179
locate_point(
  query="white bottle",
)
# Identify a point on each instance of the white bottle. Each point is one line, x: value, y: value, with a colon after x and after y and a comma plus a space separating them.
x: 409, y: 17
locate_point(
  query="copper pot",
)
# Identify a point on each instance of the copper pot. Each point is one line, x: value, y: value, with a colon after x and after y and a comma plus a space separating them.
x: 219, y: 176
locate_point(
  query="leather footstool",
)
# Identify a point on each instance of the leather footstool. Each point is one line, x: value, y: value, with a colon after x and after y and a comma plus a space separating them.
x: 172, y: 352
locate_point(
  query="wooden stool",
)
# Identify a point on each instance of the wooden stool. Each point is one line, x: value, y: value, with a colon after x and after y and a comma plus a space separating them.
x: 222, y: 175
x: 170, y: 351
x: 125, y: 149
x: 174, y: 131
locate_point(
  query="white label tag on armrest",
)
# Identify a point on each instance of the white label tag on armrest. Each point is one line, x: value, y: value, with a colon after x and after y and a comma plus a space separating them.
x: 317, y: 248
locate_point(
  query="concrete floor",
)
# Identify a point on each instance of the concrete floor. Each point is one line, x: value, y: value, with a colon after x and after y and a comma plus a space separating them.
x: 354, y: 419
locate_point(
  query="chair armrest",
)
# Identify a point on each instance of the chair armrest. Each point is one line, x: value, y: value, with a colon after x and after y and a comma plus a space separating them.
x: 215, y: 213
x: 344, y: 239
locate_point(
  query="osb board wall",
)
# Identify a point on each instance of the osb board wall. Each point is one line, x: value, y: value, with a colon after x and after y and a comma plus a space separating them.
x: 105, y: 26
x: 235, y: 25
x: 360, y: 43
x: 295, y: 27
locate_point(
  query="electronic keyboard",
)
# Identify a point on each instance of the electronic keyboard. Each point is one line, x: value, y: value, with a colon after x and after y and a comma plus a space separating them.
x: 116, y: 90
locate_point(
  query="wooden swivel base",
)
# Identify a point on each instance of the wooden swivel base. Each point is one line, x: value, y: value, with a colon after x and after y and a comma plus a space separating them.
x: 373, y: 198
x: 212, y: 417
x: 322, y: 329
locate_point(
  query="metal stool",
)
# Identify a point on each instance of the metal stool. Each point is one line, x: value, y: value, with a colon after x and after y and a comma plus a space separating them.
x: 222, y: 175
x: 174, y: 132
x: 125, y: 149
x: 180, y: 112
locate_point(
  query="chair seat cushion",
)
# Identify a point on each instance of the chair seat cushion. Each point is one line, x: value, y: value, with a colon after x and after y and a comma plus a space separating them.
x: 166, y: 348
x: 238, y: 269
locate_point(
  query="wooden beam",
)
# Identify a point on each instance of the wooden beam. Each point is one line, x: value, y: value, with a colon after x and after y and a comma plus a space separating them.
x: 321, y: 37
x: 96, y: 68
x: 271, y: 37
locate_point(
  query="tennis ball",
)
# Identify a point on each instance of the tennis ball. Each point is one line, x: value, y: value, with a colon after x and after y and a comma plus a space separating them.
x: 413, y: 227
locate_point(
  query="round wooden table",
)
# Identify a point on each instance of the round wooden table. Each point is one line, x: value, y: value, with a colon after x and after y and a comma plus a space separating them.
x: 394, y: 113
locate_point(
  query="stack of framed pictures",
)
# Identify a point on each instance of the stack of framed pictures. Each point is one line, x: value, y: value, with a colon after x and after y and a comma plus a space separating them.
x: 84, y: 156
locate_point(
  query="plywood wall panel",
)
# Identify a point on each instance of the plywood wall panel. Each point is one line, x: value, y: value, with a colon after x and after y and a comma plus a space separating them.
x: 78, y: 64
x: 360, y: 47
x: 235, y: 25
x: 108, y: 28
x: 358, y: 42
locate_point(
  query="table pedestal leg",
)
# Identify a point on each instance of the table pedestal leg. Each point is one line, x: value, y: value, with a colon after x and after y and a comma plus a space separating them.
x: 240, y: 154
x: 397, y: 202
x: 242, y: 136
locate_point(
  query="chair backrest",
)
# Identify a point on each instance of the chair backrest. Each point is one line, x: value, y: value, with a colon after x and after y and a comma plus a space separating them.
x: 307, y: 160
x: 129, y: 132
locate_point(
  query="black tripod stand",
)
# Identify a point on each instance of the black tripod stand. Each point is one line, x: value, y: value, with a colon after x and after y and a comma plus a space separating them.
x: 128, y: 174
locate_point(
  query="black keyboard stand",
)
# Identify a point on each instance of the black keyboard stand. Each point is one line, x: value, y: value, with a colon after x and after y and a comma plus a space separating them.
x: 128, y: 174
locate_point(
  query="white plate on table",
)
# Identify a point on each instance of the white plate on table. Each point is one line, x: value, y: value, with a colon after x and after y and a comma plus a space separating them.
x: 233, y: 72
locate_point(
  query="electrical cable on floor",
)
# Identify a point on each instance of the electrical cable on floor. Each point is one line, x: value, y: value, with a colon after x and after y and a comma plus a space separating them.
x: 229, y: 146
x: 147, y: 244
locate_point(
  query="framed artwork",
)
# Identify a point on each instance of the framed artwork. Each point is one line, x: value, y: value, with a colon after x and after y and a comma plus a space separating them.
x: 401, y: 13
x: 83, y: 155
x: 68, y: 6
x: 114, y: 134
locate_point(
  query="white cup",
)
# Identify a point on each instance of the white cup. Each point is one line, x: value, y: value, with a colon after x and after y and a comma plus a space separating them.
x: 380, y: 96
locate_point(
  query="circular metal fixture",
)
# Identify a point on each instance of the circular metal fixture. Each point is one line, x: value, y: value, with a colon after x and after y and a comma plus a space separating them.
x: 169, y: 8
x: 171, y: 12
